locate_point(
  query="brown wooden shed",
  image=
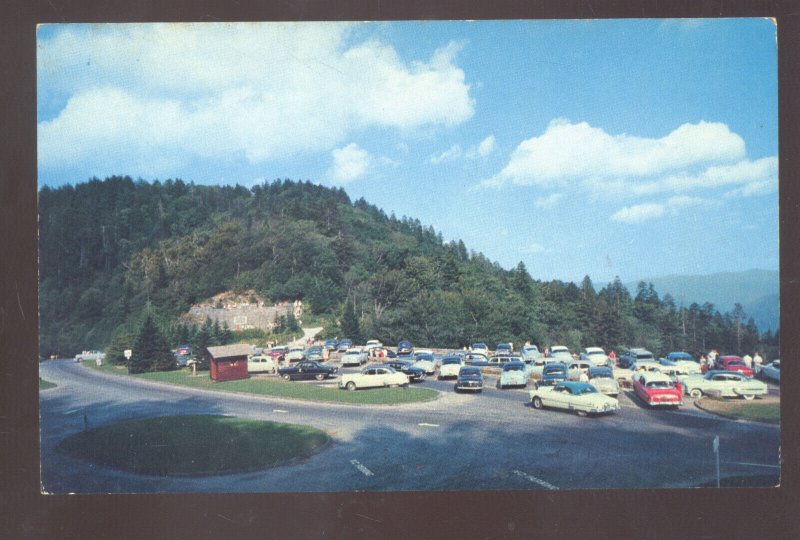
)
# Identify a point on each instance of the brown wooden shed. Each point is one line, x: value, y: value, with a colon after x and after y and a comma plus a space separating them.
x: 229, y: 362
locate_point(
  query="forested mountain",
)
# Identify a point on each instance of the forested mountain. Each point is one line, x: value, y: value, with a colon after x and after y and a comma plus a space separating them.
x: 109, y: 249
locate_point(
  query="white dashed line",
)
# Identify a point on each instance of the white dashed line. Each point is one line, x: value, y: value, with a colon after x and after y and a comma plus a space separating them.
x: 361, y: 468
x: 535, y: 480
x: 425, y: 424
x: 281, y: 411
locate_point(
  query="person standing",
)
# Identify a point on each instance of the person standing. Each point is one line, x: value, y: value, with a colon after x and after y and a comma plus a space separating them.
x: 757, y: 360
x: 703, y: 363
x: 748, y: 361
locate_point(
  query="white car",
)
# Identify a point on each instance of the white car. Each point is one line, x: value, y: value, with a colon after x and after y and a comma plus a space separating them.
x: 371, y: 344
x: 514, y: 374
x: 575, y: 370
x: 354, y: 357
x: 90, y: 355
x: 770, y: 371
x: 727, y: 383
x: 595, y: 355
x: 530, y: 353
x: 450, y: 367
x: 602, y: 377
x: 561, y: 354
x: 582, y: 398
x: 296, y: 354
x: 261, y: 363
x: 372, y: 377
x: 425, y: 361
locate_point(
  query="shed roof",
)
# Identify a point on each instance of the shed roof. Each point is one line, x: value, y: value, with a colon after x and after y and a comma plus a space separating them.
x: 227, y: 351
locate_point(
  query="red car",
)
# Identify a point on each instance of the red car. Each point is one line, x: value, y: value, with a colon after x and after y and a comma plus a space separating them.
x: 734, y: 363
x: 657, y: 389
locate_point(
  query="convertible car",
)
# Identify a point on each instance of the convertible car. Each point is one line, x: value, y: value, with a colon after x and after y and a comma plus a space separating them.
x: 727, y: 383
x: 582, y: 398
x: 373, y: 376
x: 657, y: 390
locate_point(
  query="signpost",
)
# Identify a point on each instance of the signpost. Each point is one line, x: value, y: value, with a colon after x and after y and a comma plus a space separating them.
x: 128, y: 353
x: 715, y: 445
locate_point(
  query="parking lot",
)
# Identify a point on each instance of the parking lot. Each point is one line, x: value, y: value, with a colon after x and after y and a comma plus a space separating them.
x: 492, y: 440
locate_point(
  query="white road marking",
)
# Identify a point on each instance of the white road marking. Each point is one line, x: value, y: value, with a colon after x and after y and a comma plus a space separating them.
x: 361, y: 468
x: 279, y: 411
x: 425, y: 424
x: 535, y: 480
x: 751, y: 464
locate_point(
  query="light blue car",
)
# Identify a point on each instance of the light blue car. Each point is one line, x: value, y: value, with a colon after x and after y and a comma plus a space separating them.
x: 514, y: 374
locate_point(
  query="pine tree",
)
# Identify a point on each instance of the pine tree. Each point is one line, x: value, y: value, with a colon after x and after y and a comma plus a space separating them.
x: 150, y: 351
x: 350, y: 327
x: 226, y: 335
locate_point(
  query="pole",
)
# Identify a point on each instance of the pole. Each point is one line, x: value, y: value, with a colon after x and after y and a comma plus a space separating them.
x: 716, y: 451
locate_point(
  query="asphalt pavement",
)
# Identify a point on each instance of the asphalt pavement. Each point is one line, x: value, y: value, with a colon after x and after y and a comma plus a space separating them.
x: 491, y: 440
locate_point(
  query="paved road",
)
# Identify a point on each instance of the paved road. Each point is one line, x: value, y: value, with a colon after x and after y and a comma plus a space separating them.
x: 494, y: 440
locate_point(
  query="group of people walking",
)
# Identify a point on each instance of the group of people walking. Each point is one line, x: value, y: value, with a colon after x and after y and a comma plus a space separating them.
x: 710, y: 362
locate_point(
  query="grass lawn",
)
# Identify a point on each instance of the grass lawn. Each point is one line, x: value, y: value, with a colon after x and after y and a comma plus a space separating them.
x: 268, y: 386
x: 766, y: 409
x: 194, y: 445
x: 45, y: 385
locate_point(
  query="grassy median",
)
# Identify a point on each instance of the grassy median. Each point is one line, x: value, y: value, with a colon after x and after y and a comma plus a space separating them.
x: 45, y: 385
x: 194, y: 445
x: 272, y: 386
x: 766, y: 409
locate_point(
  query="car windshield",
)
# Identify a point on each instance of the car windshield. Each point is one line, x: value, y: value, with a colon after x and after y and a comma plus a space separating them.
x: 600, y: 373
x: 588, y: 389
x: 596, y: 353
x: 659, y: 384
x: 427, y: 357
x: 514, y: 367
x: 550, y: 370
x: 469, y: 373
x: 479, y: 346
x: 449, y: 361
x: 735, y: 364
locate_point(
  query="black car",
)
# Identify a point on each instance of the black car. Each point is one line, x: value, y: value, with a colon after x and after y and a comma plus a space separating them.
x: 553, y: 374
x: 414, y: 373
x: 307, y: 369
x: 404, y: 347
x: 469, y: 378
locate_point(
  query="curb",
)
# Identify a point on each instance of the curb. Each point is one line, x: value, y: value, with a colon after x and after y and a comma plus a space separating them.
x: 735, y: 418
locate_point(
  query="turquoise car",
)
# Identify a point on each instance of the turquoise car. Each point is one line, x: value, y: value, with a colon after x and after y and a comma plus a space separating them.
x: 514, y: 374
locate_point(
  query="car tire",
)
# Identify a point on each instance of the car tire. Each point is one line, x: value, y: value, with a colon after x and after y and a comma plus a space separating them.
x: 455, y: 388
x: 749, y: 397
x: 582, y: 414
x: 286, y: 377
x: 695, y: 393
x: 351, y: 386
x: 536, y: 402
x: 320, y: 376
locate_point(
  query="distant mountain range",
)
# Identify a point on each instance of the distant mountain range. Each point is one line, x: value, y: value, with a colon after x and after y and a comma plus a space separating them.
x: 757, y: 290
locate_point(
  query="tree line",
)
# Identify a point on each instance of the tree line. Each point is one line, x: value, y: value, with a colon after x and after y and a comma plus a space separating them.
x: 109, y: 249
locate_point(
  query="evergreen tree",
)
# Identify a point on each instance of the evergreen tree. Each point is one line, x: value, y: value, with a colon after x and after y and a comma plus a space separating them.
x: 150, y: 351
x: 226, y: 335
x: 200, y: 346
x: 291, y: 323
x: 350, y: 326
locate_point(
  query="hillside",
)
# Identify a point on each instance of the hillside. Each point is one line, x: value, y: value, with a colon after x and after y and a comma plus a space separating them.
x: 756, y: 290
x: 112, y: 250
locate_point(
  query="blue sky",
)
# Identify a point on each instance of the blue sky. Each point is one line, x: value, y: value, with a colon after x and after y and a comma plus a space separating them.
x: 635, y: 148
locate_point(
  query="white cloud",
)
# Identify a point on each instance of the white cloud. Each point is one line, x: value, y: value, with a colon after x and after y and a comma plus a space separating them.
x: 484, y: 149
x: 638, y: 213
x: 349, y: 163
x: 533, y: 248
x: 548, y: 202
x: 253, y: 91
x: 568, y: 151
x: 451, y: 154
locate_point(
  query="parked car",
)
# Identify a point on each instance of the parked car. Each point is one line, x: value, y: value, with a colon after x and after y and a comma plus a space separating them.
x: 536, y: 367
x: 499, y: 360
x: 560, y: 353
x: 595, y: 356
x: 771, y: 371
x: 734, y: 363
x: 261, y: 363
x: 373, y: 377
x: 504, y: 348
x: 657, y: 390
x: 279, y: 353
x: 632, y: 356
x: 647, y: 365
x: 476, y: 359
x: 530, y: 353
x: 425, y: 361
x: 576, y: 369
x: 90, y: 355
x: 345, y: 344
x: 553, y: 374
x: 682, y: 360
x: 514, y: 374
x: 353, y: 357
x: 307, y: 369
x: 372, y: 343
x: 727, y: 383
x: 295, y: 354
x: 404, y: 347
x: 469, y: 378
x: 480, y: 347
x: 450, y: 367
x: 331, y: 344
x: 315, y: 353
x: 403, y: 366
x: 583, y: 398
x: 602, y: 378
